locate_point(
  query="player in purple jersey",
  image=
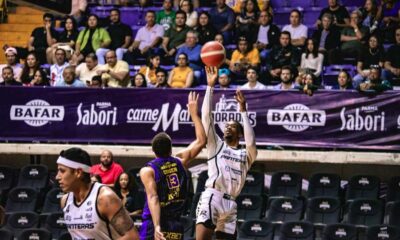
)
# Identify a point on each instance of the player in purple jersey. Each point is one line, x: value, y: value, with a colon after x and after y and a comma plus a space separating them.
x: 166, y: 182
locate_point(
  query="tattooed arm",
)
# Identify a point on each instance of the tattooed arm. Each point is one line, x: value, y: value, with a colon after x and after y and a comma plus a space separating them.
x: 111, y: 208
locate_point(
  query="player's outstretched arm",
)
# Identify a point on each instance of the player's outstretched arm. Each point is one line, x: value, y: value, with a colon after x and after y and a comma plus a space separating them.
x: 148, y: 178
x: 197, y: 145
x: 206, y: 114
x: 249, y: 136
x: 111, y: 208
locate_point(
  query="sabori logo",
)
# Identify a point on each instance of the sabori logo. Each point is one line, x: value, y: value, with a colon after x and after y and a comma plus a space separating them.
x: 296, y: 117
x: 363, y: 119
x: 37, y: 113
x: 101, y: 113
x: 227, y: 110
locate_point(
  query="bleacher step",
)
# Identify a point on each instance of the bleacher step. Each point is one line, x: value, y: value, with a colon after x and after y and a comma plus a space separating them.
x: 14, y: 36
x: 15, y: 27
x: 23, y: 19
x: 27, y: 10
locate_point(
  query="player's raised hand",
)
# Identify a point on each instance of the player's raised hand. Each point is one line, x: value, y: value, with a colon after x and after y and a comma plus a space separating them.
x: 212, y: 75
x: 192, y: 103
x: 241, y: 100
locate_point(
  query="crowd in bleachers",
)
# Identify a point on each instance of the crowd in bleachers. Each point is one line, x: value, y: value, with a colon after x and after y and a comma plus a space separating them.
x: 306, y: 45
x: 270, y: 206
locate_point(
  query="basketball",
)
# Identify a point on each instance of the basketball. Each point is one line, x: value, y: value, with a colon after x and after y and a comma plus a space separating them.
x: 213, y: 54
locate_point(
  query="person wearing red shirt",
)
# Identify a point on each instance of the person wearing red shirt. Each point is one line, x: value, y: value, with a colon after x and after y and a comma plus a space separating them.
x: 108, y: 170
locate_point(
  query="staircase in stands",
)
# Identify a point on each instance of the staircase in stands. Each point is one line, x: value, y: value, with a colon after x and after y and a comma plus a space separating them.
x: 20, y: 23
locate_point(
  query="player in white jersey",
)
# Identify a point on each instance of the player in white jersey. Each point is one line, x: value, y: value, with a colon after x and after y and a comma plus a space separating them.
x: 91, y: 210
x: 228, y: 165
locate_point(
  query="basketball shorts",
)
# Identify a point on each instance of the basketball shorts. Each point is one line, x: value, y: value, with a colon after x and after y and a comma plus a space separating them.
x: 217, y: 210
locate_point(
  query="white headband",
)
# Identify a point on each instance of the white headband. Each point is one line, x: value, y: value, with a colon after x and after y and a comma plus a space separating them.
x: 73, y: 164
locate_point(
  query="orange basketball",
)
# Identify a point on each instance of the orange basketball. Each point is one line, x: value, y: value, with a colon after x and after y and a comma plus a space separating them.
x: 213, y: 54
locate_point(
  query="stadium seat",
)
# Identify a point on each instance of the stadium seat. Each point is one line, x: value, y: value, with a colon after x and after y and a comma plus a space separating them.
x: 383, y: 232
x: 6, y: 182
x: 249, y: 207
x: 201, y: 181
x: 363, y: 186
x: 6, y: 234
x: 35, y: 176
x: 392, y: 213
x: 323, y: 210
x: 284, y: 209
x: 21, y: 199
x: 16, y: 222
x: 286, y: 184
x: 365, y: 212
x: 324, y: 185
x: 340, y: 231
x: 52, y: 201
x: 35, y: 233
x: 297, y: 231
x: 188, y: 226
x: 393, y: 192
x: 254, y: 183
x: 256, y: 230
x: 55, y: 224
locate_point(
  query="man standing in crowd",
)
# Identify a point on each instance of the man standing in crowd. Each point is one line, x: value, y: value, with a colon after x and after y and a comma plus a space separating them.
x: 108, y: 170
x: 223, y: 19
x: 57, y: 69
x: 227, y: 167
x: 91, y: 210
x: 166, y: 17
x: 166, y: 182
x: 11, y: 58
x: 121, y: 35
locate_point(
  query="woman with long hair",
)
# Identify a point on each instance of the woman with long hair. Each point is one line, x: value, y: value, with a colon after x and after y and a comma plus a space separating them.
x: 205, y: 29
x: 149, y: 70
x: 126, y: 188
x: 30, y: 67
x: 344, y: 81
x: 191, y: 14
x: 243, y: 57
x: 247, y: 21
x: 139, y: 81
x: 40, y: 78
x: 311, y: 59
x: 371, y: 15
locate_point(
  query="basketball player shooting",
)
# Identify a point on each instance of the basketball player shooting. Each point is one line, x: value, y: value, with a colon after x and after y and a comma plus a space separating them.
x: 227, y: 168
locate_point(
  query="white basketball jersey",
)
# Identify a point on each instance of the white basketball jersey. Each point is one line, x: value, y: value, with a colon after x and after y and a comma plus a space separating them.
x: 83, y: 221
x: 227, y: 170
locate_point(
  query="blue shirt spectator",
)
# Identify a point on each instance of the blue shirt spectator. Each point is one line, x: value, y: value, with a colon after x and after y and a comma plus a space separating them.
x: 223, y: 19
x: 69, y: 79
x: 192, y: 49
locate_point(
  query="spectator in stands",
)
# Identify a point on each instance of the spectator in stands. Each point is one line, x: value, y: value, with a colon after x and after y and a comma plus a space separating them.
x: 339, y: 14
x: 11, y: 58
x: 121, y: 35
x: 223, y: 19
x: 352, y: 37
x: 146, y: 40
x: 69, y: 79
x: 91, y: 38
x: 392, y: 59
x: 65, y: 41
x: 78, y: 9
x: 374, y: 82
x: 96, y: 82
x: 88, y: 69
x: 162, y: 79
x: 286, y: 77
x: 182, y: 75
x: 308, y: 86
x: 30, y: 67
x: 205, y: 29
x: 166, y: 17
x: 191, y: 15
x: 344, y: 81
x: 327, y: 39
x: 95, y: 178
x: 57, y: 69
x: 126, y: 188
x: 266, y: 34
x: 247, y: 20
x: 372, y: 56
x: 108, y: 169
x: 7, y: 74
x: 150, y: 69
x: 297, y: 30
x: 371, y: 15
x: 195, y: 3
x: 40, y: 78
x: 311, y: 60
x: 390, y: 13
x: 192, y: 50
x: 224, y: 79
x: 115, y: 73
x: 243, y: 57
x: 285, y: 54
x: 252, y: 80
x: 175, y: 37
x: 139, y: 81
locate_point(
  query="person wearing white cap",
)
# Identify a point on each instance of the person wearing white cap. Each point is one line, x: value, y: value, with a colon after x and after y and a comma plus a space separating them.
x: 91, y: 210
x: 11, y: 57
